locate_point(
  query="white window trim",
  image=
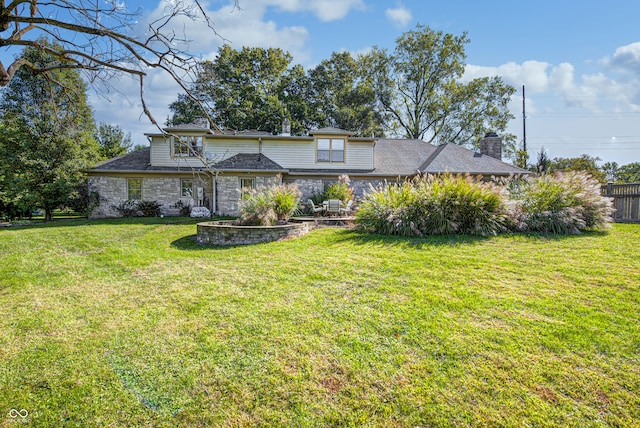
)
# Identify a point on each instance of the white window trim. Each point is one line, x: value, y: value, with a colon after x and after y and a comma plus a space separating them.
x: 331, y: 150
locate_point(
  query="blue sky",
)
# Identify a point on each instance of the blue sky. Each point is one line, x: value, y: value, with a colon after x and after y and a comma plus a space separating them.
x: 579, y: 61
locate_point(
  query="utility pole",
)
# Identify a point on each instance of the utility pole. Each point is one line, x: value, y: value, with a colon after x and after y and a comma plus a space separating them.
x: 524, y: 124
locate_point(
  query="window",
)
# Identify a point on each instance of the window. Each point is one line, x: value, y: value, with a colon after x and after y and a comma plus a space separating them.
x: 186, y: 188
x: 187, y: 146
x: 134, y: 189
x: 246, y: 184
x: 330, y: 150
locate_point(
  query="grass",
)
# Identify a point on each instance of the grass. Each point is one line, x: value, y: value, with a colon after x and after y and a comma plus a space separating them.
x: 130, y: 323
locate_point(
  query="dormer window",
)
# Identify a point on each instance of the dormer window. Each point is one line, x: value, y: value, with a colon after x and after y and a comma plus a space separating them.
x: 330, y: 150
x: 187, y: 146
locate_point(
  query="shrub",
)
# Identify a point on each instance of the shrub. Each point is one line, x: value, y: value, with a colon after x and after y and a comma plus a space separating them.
x: 133, y: 208
x: 266, y: 206
x: 435, y: 205
x: 149, y: 208
x: 184, y: 208
x: 128, y: 208
x: 561, y: 203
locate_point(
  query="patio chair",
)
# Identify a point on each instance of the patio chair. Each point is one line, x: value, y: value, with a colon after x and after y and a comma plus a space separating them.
x: 313, y: 209
x: 333, y: 206
x: 347, y: 209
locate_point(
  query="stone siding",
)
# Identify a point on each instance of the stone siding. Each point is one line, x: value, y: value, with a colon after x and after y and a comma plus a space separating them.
x: 228, y: 191
x: 164, y: 190
x: 111, y: 191
x: 309, y: 187
x: 225, y: 233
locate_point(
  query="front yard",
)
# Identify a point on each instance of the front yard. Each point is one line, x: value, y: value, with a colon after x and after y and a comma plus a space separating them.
x: 130, y: 323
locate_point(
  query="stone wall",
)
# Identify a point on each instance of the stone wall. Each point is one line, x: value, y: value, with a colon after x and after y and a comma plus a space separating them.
x: 111, y: 190
x: 309, y: 187
x: 164, y: 190
x: 225, y: 233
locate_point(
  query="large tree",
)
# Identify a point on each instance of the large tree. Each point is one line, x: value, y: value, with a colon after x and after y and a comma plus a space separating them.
x: 252, y: 88
x: 47, y: 133
x: 103, y: 38
x: 629, y: 173
x: 342, y: 97
x: 419, y: 86
x: 113, y: 140
x: 585, y: 163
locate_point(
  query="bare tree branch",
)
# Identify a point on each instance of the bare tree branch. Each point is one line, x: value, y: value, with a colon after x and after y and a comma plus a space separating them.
x: 99, y: 38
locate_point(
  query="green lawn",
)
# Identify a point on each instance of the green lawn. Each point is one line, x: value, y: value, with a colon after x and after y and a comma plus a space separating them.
x: 130, y: 323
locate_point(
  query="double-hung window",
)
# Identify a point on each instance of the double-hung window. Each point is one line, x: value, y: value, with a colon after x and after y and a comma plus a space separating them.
x: 330, y: 150
x: 186, y: 188
x: 187, y: 146
x: 134, y: 189
x: 246, y: 184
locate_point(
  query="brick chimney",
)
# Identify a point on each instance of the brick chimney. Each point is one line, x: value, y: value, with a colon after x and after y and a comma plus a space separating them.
x: 491, y: 145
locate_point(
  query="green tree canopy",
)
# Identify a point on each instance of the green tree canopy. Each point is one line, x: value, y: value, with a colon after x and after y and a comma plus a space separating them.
x: 584, y: 163
x: 629, y: 173
x: 248, y: 89
x: 419, y: 86
x: 113, y: 140
x: 47, y: 133
x: 342, y: 97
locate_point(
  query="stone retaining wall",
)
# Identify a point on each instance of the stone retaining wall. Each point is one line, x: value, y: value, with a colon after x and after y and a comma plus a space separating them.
x: 225, y: 233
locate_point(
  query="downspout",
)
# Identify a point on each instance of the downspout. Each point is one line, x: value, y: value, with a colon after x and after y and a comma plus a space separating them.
x: 214, y: 188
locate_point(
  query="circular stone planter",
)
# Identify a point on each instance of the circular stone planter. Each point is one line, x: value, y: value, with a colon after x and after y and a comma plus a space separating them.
x: 227, y: 233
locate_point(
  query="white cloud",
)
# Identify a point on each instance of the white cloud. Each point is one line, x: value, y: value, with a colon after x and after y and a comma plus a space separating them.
x: 325, y: 10
x: 626, y: 58
x: 401, y: 16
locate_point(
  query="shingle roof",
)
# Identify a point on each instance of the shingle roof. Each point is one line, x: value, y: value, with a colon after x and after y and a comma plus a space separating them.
x: 456, y: 159
x: 395, y: 157
x: 140, y: 160
x: 248, y: 162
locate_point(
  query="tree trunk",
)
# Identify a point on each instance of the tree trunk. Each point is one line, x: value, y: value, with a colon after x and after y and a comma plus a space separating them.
x: 48, y: 215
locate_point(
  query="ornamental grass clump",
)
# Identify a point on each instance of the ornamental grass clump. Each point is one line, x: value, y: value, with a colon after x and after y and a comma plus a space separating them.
x: 435, y: 205
x: 461, y: 204
x: 384, y: 210
x: 341, y: 190
x: 561, y: 203
x: 266, y: 206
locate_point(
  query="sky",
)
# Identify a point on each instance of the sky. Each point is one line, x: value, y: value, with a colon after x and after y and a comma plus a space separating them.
x: 579, y: 61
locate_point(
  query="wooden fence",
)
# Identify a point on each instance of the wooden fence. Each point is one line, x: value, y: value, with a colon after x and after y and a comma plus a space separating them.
x: 626, y: 201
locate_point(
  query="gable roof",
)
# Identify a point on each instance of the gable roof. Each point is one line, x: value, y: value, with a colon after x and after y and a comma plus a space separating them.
x: 248, y: 162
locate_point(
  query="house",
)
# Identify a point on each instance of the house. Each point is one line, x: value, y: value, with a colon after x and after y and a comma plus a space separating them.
x: 195, y: 165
